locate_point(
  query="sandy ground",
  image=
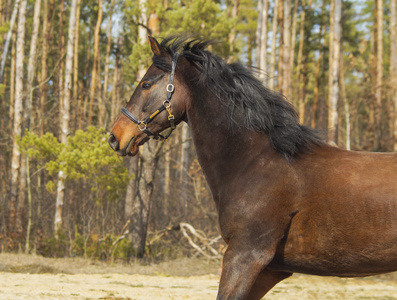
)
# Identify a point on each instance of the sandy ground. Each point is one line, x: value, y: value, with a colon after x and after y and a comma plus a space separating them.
x: 33, y: 277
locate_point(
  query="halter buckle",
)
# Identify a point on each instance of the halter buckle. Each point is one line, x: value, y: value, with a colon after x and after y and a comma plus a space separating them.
x: 170, y: 88
x: 142, y: 126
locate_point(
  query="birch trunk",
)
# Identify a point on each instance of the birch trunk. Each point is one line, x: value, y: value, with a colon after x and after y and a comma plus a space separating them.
x: 273, y: 46
x: 17, y: 130
x: 65, y: 115
x: 335, y: 75
x: 27, y: 114
x: 258, y: 34
x: 263, y: 39
x: 44, y: 57
x: 318, y: 72
x: 62, y: 63
x: 8, y: 39
x: 95, y: 63
x: 167, y: 177
x: 33, y: 44
x: 12, y: 79
x: 32, y: 61
x: 107, y: 60
x: 184, y: 165
x: 76, y: 103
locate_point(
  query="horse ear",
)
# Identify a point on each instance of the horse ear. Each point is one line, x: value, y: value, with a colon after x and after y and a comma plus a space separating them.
x: 156, y: 48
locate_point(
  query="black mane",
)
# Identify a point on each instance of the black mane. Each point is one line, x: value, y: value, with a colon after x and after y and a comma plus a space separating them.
x: 265, y: 110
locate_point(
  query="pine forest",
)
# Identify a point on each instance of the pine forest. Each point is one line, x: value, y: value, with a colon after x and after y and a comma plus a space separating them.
x: 69, y: 66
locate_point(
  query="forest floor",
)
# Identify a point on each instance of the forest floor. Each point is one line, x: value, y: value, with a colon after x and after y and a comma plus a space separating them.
x: 35, y: 277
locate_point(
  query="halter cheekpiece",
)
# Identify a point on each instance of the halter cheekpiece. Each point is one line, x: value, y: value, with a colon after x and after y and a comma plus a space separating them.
x: 142, y: 125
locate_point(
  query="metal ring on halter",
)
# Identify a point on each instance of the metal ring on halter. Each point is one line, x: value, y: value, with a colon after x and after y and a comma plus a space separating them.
x: 142, y: 128
x: 170, y: 88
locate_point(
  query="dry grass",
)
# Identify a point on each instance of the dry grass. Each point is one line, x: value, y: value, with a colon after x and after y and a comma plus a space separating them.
x: 34, y: 277
x: 21, y: 263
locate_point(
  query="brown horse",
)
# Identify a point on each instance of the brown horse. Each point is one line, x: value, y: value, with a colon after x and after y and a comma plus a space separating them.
x: 287, y: 202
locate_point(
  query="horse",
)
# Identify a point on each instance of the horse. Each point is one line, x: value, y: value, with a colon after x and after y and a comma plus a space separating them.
x: 287, y: 201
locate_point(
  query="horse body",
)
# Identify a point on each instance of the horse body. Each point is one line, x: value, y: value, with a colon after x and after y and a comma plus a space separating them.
x: 345, y: 223
x: 336, y: 205
x: 325, y: 211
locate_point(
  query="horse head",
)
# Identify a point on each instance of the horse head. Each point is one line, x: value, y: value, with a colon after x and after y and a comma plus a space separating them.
x: 157, y: 103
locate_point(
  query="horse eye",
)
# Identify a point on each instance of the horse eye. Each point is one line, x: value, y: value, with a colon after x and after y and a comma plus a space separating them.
x: 146, y: 85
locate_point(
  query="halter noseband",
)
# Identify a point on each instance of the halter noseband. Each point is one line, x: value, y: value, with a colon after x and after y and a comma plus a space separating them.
x: 142, y: 125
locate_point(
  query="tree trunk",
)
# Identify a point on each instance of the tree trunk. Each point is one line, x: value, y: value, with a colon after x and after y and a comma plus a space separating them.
x: 281, y: 46
x: 27, y: 115
x: 318, y: 71
x: 131, y: 192
x: 32, y: 61
x: 44, y: 57
x: 379, y: 75
x: 107, y: 60
x: 379, y: 53
x: 149, y: 156
x: 95, y: 62
x: 8, y: 39
x: 273, y: 46
x: 62, y: 63
x: 286, y: 82
x: 293, y: 41
x: 76, y: 97
x: 143, y: 200
x: 370, y: 135
x: 115, y: 106
x: 16, y: 155
x: 65, y: 109
x: 334, y: 94
x: 346, y: 105
x: 21, y: 194
x: 184, y: 165
x: 331, y: 48
x: 300, y: 104
x: 258, y: 34
x: 263, y: 39
x: 393, y: 64
x: 167, y: 178
x: 232, y: 35
x: 303, y: 57
x: 33, y: 44
x: 12, y: 79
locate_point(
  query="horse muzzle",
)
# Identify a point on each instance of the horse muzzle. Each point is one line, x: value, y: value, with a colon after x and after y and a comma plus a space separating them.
x: 131, y: 149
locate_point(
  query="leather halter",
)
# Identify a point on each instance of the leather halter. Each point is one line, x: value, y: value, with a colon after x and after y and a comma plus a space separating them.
x: 142, y: 124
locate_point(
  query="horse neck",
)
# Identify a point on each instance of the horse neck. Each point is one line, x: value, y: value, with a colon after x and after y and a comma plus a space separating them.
x: 224, y: 150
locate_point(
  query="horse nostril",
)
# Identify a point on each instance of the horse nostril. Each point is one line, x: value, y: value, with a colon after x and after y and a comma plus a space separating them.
x: 113, y: 142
